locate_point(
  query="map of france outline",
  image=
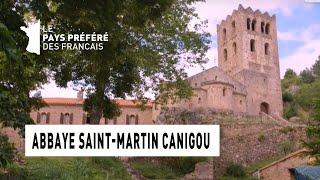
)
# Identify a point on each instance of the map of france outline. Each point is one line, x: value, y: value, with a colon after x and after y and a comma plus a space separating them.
x: 33, y: 32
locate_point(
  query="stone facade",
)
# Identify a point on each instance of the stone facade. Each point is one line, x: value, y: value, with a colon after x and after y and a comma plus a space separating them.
x: 247, y: 79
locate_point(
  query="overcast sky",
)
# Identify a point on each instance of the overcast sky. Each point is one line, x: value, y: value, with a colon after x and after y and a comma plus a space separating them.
x: 298, y: 26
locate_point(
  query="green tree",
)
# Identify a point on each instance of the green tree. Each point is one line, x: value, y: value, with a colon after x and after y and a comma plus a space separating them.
x: 316, y: 67
x: 313, y: 134
x: 20, y: 72
x: 290, y: 79
x: 290, y: 74
x: 149, y: 42
x: 307, y: 76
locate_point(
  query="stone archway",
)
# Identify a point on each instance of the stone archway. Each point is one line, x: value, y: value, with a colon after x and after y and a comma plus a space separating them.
x: 264, y: 107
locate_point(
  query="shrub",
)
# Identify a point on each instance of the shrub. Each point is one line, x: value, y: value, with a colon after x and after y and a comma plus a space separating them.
x: 187, y: 164
x: 261, y: 138
x: 290, y: 110
x: 7, y: 151
x: 287, y: 129
x: 286, y: 147
x: 235, y: 170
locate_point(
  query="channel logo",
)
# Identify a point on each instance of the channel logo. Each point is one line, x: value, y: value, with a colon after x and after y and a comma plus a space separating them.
x: 33, y: 32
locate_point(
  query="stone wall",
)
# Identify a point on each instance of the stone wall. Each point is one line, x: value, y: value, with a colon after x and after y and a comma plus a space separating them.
x: 244, y: 139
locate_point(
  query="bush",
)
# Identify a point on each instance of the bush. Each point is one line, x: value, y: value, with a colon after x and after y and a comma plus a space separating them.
x: 261, y: 138
x: 290, y: 110
x: 7, y: 151
x: 235, y: 170
x: 286, y: 147
x: 187, y: 164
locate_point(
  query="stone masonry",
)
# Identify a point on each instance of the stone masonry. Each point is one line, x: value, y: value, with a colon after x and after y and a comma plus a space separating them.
x: 247, y: 80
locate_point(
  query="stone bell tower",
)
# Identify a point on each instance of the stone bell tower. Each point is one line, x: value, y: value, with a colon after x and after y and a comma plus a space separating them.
x: 248, y: 51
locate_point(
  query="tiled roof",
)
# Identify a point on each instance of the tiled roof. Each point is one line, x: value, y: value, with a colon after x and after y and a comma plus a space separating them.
x: 74, y: 101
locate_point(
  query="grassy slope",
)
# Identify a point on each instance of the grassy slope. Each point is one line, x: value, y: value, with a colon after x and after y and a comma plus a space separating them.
x: 70, y: 168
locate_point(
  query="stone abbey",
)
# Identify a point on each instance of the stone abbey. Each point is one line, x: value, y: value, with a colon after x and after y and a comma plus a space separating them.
x: 247, y: 80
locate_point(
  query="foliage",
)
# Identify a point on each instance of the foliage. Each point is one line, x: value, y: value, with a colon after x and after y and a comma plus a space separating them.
x: 6, y: 151
x: 187, y: 164
x: 286, y: 147
x: 150, y: 42
x: 69, y: 168
x: 316, y: 67
x: 167, y: 168
x: 313, y: 134
x: 261, y: 137
x: 235, y: 170
x: 290, y: 74
x: 153, y: 171
x: 300, y: 92
x: 290, y: 110
x: 307, y: 76
x: 20, y: 71
x: 287, y: 97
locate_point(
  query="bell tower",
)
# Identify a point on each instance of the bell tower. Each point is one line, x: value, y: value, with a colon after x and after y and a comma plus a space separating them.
x: 248, y: 51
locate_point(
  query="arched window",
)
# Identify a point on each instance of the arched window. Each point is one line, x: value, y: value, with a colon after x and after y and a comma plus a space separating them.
x: 252, y: 45
x: 132, y: 119
x: 240, y: 102
x: 224, y: 34
x: 224, y: 91
x: 248, y: 23
x: 43, y: 118
x: 267, y: 28
x: 225, y: 54
x: 262, y: 27
x: 253, y: 25
x: 233, y: 24
x: 266, y: 49
x: 234, y: 46
x: 216, y: 77
x: 66, y: 118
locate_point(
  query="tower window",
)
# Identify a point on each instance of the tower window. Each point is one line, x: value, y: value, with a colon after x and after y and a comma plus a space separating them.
x: 224, y: 91
x: 262, y: 27
x: 266, y: 49
x: 267, y: 28
x: 248, y: 23
x: 199, y: 100
x: 253, y: 25
x: 233, y: 24
x: 234, y: 45
x: 224, y: 34
x: 252, y: 45
x: 225, y: 54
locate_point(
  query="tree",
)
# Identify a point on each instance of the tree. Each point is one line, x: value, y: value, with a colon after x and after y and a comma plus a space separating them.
x: 290, y: 74
x: 316, y: 67
x: 150, y: 42
x: 20, y: 73
x: 313, y: 134
x: 307, y: 76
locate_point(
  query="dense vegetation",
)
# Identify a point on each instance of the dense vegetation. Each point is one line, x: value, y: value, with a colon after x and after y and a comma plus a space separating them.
x: 301, y: 95
x: 166, y: 168
x: 300, y: 92
x: 67, y: 168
